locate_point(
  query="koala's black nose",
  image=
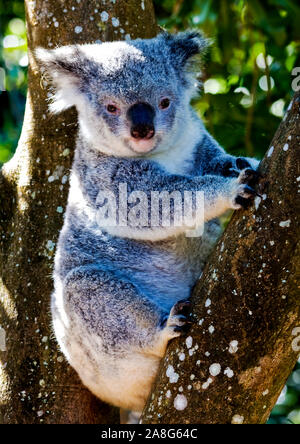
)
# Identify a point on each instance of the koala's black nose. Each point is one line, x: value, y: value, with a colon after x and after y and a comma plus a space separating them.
x: 141, y: 116
x: 142, y: 131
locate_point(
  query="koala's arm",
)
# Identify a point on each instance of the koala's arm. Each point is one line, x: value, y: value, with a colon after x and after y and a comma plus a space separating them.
x: 220, y: 193
x: 212, y: 159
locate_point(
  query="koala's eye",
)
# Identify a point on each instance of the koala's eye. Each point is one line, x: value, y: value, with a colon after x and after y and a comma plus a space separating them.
x: 164, y: 103
x: 112, y: 109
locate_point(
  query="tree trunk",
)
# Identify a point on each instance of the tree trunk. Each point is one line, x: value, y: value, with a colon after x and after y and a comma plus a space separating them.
x: 36, y: 384
x: 246, y: 337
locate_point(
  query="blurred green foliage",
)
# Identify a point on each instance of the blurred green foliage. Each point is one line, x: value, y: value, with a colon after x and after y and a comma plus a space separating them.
x: 247, y: 84
x: 247, y: 72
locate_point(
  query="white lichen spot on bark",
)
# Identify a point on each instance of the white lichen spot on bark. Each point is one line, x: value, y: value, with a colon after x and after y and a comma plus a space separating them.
x: 215, y: 369
x: 180, y: 402
x: 189, y: 342
x: 50, y: 245
x: 2, y: 339
x: 207, y: 384
x: 207, y: 303
x: 66, y: 152
x: 168, y: 394
x: 172, y: 375
x: 238, y: 419
x: 104, y: 16
x: 257, y: 202
x: 285, y: 223
x: 115, y: 22
x: 228, y: 372
x: 233, y: 347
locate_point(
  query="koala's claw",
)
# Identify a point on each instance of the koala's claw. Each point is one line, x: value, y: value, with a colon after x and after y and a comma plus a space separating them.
x: 249, y: 176
x: 229, y: 170
x: 241, y: 202
x: 242, y: 163
x: 182, y: 329
x: 179, y: 320
x: 249, y: 191
x: 179, y: 324
x: 181, y: 307
x: 245, y: 192
x: 232, y: 173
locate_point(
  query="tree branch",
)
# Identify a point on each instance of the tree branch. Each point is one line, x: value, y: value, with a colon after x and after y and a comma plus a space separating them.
x: 245, y: 340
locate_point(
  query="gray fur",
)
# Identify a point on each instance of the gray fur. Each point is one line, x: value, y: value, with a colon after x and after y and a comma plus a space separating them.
x: 114, y: 289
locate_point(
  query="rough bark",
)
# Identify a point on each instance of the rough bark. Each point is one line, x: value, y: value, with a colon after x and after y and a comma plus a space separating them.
x: 36, y: 384
x: 246, y: 337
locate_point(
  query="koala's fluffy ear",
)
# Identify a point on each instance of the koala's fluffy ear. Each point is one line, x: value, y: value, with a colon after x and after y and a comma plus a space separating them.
x: 185, y: 45
x: 65, y: 67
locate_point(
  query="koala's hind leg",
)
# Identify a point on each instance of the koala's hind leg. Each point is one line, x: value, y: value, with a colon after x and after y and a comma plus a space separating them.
x: 114, y: 335
x: 112, y: 307
x: 123, y: 316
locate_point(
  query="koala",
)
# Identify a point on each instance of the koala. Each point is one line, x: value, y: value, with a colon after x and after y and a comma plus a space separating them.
x: 122, y: 290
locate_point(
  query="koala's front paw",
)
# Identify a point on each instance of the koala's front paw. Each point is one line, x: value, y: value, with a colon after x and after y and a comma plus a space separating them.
x: 247, y: 162
x: 244, y: 192
x: 234, y: 166
x: 179, y: 319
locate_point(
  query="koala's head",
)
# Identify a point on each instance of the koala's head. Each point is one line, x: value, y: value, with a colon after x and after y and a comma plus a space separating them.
x: 132, y: 97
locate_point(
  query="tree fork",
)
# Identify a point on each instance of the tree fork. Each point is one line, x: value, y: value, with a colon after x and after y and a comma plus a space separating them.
x: 246, y: 337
